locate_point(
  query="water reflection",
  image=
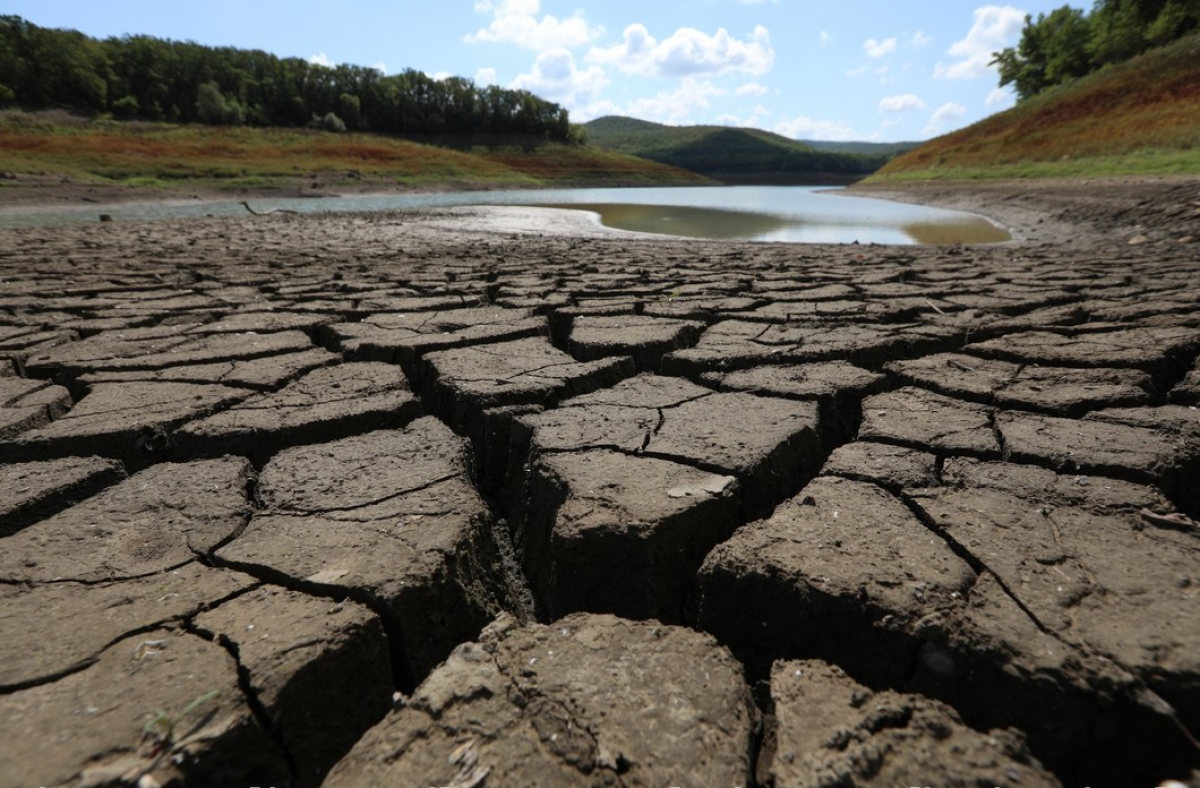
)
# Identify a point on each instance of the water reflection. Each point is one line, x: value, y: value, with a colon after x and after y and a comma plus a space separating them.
x: 682, y: 220
x: 716, y: 223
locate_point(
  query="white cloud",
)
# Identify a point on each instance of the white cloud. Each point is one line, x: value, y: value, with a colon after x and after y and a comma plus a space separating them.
x: 737, y: 121
x: 688, y: 52
x: 944, y: 115
x: 676, y: 106
x: 582, y: 113
x: 752, y: 89
x: 381, y: 67
x: 755, y: 120
x: 901, y: 103
x: 856, y: 72
x: 485, y: 77
x: 1000, y: 96
x: 802, y: 128
x: 517, y: 22
x: 556, y: 77
x: 321, y: 59
x: 995, y: 28
x: 920, y: 39
x: 440, y: 76
x: 880, y: 48
x: 948, y: 111
x: 826, y: 38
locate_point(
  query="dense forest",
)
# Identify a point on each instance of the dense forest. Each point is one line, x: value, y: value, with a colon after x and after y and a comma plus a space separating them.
x: 156, y: 79
x: 1068, y: 43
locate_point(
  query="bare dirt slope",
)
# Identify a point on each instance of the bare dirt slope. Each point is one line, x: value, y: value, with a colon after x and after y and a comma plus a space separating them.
x: 490, y: 497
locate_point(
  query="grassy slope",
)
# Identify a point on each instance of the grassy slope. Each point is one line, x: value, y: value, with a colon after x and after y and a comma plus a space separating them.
x: 1139, y: 117
x: 159, y: 154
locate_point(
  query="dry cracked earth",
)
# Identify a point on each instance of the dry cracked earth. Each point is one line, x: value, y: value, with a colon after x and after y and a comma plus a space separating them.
x: 390, y: 500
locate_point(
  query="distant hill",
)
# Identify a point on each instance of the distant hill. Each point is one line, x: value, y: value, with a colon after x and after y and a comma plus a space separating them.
x: 873, y: 148
x: 1137, y: 117
x: 733, y: 154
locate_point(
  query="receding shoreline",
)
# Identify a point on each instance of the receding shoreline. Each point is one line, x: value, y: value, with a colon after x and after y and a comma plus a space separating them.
x: 1037, y: 211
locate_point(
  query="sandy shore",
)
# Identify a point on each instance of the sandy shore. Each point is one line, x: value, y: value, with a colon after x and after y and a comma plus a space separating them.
x: 493, y: 496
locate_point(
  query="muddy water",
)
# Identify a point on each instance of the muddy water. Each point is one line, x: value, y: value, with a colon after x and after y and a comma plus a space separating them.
x: 716, y: 223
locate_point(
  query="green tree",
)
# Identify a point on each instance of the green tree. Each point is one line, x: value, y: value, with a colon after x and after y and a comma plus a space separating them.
x: 1177, y: 19
x: 185, y: 81
x: 1067, y: 43
x: 1118, y: 28
x: 350, y: 109
x: 126, y: 107
x: 1052, y: 50
x: 330, y: 122
x: 216, y: 108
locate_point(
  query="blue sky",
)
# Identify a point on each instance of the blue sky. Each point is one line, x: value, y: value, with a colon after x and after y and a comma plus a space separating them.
x: 879, y: 70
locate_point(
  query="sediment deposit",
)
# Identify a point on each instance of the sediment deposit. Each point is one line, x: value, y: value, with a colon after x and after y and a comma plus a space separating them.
x: 491, y: 497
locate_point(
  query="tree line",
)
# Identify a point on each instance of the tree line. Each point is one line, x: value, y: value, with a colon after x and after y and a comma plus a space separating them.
x: 158, y: 79
x: 1069, y: 43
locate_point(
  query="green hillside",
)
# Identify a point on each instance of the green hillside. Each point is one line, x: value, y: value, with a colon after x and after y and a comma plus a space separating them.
x: 1137, y: 117
x: 730, y: 154
x: 165, y: 156
x: 872, y: 148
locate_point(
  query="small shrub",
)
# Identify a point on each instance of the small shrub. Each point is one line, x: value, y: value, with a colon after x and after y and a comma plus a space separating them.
x: 330, y: 122
x: 125, y: 107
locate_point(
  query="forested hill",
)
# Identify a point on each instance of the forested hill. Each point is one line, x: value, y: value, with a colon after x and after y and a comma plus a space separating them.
x: 730, y: 154
x: 157, y: 79
x: 874, y: 148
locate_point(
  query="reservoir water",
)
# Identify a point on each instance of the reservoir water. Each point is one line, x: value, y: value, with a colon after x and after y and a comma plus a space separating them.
x: 797, y: 214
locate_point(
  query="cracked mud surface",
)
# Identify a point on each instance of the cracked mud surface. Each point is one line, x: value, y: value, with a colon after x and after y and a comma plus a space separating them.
x: 428, y: 499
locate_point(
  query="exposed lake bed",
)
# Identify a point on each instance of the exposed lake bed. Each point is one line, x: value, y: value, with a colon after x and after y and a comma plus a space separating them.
x: 390, y: 448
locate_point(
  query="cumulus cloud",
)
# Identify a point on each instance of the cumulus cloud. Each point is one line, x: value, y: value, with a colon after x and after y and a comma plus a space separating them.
x: 995, y: 28
x: 901, y: 103
x: 485, y: 77
x: 826, y: 38
x: 321, y: 59
x: 676, y: 106
x: 752, y: 121
x: 1000, y: 96
x: 688, y: 52
x: 880, y: 48
x: 804, y: 128
x: 582, y: 113
x: 920, y: 39
x: 517, y: 22
x: 943, y: 116
x: 556, y: 77
x: 751, y: 89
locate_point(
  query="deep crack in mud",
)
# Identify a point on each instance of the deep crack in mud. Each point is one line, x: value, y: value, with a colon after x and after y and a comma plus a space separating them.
x: 391, y: 499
